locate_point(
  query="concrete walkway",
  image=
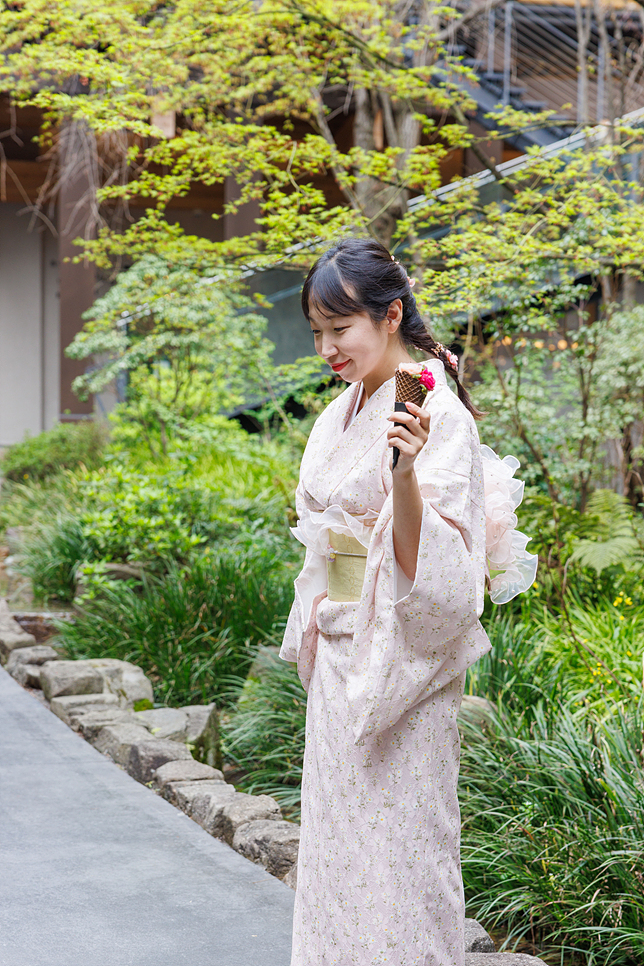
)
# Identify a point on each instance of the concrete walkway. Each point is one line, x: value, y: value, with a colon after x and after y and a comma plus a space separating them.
x: 96, y: 870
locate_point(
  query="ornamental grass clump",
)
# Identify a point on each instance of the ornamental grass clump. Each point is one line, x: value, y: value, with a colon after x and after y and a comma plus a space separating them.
x: 265, y: 735
x: 191, y: 628
x: 553, y: 831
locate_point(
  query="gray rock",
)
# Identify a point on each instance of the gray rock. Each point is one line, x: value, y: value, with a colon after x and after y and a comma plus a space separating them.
x: 165, y: 723
x: 477, y: 940
x: 186, y: 771
x: 184, y: 794
x: 207, y: 747
x: 244, y: 809
x: 476, y: 710
x: 38, y: 654
x: 206, y: 803
x: 290, y: 879
x: 26, y: 674
x: 148, y: 755
x: 127, y: 681
x: 501, y: 959
x: 198, y: 715
x: 89, y: 721
x: 61, y: 678
x: 271, y: 844
x: 11, y: 641
x: 64, y: 707
x: 7, y: 621
x: 118, y: 740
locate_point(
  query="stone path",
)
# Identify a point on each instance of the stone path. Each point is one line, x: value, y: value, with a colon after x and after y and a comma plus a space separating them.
x: 96, y: 870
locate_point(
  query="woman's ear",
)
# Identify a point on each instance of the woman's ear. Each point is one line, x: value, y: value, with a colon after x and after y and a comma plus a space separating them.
x: 394, y: 316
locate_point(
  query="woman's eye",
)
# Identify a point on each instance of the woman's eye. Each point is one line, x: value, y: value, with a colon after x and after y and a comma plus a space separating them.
x: 341, y: 328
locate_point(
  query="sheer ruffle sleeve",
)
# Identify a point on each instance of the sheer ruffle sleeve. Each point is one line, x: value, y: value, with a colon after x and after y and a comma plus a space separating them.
x: 512, y: 569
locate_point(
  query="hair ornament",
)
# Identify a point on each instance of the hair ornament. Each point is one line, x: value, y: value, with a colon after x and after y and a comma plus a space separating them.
x: 451, y: 357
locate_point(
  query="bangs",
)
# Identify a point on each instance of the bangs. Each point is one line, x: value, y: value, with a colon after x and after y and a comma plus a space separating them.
x: 326, y: 293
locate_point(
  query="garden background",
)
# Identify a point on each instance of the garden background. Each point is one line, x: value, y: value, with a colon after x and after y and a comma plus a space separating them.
x: 168, y: 526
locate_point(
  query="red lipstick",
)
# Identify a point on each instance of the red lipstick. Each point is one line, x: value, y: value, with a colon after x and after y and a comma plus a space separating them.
x: 340, y: 366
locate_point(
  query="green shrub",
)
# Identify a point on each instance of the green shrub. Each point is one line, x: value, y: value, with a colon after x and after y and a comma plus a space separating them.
x: 191, y: 628
x: 66, y: 446
x: 553, y: 831
x: 154, y: 516
x: 265, y: 735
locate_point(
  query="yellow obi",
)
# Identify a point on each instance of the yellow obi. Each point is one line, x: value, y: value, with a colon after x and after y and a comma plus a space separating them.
x: 346, y: 565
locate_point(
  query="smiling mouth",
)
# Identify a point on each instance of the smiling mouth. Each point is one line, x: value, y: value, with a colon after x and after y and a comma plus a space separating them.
x: 340, y: 366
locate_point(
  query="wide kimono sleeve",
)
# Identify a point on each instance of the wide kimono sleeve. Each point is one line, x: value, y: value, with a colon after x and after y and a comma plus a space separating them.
x: 299, y: 644
x: 414, y: 637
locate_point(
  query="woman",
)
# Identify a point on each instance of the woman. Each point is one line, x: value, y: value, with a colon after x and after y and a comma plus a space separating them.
x: 384, y: 625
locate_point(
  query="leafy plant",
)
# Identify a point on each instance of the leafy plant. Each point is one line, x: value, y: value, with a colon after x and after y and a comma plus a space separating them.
x: 618, y: 537
x: 66, y: 446
x: 184, y: 343
x: 161, y: 513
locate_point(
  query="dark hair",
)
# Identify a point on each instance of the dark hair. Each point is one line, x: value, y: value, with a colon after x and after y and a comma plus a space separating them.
x: 360, y: 275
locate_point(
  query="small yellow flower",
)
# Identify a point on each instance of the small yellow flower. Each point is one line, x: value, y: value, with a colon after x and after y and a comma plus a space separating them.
x: 629, y: 653
x: 628, y: 601
x: 621, y: 617
x: 617, y: 602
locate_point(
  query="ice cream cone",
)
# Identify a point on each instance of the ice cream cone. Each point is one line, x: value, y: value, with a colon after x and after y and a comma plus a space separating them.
x: 408, y: 389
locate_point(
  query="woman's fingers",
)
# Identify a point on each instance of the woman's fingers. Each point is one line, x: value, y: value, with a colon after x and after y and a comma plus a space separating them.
x: 407, y: 435
x: 418, y: 426
x: 421, y: 414
x: 414, y: 414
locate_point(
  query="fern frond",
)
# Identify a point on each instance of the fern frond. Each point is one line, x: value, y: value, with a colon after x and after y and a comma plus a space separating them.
x: 611, y: 536
x: 600, y: 554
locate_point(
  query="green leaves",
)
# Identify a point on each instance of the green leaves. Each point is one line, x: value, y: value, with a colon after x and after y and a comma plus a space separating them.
x: 618, y: 538
x: 187, y: 349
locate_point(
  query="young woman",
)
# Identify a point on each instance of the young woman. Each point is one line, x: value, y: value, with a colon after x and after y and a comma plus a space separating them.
x: 384, y: 625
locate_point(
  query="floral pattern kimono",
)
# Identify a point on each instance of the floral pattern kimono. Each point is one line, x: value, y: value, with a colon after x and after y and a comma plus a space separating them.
x: 379, y: 880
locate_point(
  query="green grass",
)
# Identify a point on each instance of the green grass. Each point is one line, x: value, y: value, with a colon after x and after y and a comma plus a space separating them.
x: 553, y: 831
x: 265, y: 736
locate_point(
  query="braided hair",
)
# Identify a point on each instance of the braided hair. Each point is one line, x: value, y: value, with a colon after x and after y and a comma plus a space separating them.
x: 360, y: 275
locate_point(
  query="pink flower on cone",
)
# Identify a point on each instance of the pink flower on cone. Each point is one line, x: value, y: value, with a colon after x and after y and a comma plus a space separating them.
x: 427, y: 380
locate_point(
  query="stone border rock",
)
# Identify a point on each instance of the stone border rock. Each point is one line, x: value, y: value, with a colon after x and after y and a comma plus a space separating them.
x: 96, y: 698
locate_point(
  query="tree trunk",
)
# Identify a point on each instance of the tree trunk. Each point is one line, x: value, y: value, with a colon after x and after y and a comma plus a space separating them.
x: 382, y: 204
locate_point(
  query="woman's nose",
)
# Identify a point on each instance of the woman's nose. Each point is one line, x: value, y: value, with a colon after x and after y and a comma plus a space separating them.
x: 327, y: 348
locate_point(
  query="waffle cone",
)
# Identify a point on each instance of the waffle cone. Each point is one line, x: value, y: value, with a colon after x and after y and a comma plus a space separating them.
x: 409, y: 389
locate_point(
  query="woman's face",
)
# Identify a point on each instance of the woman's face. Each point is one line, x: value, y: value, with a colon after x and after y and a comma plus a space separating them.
x: 352, y: 345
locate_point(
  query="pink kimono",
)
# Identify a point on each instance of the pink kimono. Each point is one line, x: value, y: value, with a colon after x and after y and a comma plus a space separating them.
x: 379, y: 880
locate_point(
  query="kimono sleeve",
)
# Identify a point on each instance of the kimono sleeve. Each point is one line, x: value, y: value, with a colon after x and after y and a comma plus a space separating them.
x: 299, y: 644
x: 412, y: 646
